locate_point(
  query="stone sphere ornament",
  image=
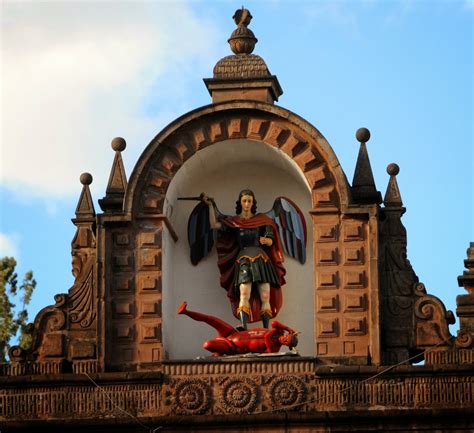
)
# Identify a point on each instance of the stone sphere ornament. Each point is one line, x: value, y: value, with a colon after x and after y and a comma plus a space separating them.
x: 363, y: 135
x: 393, y: 169
x: 86, y: 178
x: 119, y: 144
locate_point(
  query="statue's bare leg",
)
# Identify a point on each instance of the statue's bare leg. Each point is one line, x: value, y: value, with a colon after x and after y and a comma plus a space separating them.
x: 244, y: 304
x: 266, y: 311
x: 223, y: 328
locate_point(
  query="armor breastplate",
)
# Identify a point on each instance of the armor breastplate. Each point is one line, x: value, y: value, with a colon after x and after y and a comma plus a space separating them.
x: 249, y: 238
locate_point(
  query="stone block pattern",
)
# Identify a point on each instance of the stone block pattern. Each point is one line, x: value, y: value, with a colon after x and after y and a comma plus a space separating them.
x: 134, y: 302
x: 342, y: 286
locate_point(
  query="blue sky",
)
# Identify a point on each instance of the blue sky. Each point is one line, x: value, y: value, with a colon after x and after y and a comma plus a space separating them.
x: 75, y: 74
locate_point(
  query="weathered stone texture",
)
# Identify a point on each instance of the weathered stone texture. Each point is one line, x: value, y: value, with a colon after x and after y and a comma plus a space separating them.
x: 98, y: 361
x: 228, y: 388
x: 241, y: 66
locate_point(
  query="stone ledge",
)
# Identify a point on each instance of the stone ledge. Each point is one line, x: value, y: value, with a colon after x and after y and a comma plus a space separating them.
x: 418, y: 420
x: 244, y: 365
x: 225, y: 394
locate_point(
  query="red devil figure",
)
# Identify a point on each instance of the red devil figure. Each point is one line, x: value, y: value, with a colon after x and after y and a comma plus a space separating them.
x: 233, y: 342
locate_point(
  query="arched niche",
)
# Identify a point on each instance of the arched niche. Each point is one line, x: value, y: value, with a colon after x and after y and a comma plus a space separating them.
x: 222, y: 170
x: 211, y: 146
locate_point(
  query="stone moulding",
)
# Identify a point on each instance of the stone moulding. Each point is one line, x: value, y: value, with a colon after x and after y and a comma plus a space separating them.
x: 275, y: 126
x: 188, y: 391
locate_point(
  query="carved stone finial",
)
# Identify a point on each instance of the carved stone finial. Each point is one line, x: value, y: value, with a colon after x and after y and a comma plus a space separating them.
x: 242, y: 17
x: 465, y: 303
x: 363, y: 184
x: 113, y: 200
x: 466, y: 280
x: 86, y: 178
x: 393, y: 169
x: 469, y: 262
x: 393, y: 197
x: 85, y: 206
x: 243, y: 75
x: 363, y: 135
x: 119, y: 144
x: 242, y: 40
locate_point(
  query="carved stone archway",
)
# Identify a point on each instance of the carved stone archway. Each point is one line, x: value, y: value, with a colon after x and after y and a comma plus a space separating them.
x: 342, y: 245
x: 251, y: 120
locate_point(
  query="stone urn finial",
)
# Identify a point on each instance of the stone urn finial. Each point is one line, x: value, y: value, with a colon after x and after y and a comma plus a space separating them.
x: 467, y: 278
x: 242, y: 40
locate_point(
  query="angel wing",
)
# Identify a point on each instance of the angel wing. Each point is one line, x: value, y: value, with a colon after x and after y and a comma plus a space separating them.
x: 200, y: 235
x: 291, y: 227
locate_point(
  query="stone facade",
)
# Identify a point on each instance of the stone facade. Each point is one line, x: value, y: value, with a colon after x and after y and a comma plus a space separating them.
x: 99, y: 359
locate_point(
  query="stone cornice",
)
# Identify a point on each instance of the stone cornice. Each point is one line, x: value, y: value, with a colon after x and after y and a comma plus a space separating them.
x: 204, y: 392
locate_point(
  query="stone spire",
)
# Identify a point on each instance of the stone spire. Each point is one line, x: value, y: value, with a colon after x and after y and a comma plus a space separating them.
x: 85, y: 207
x: 85, y: 220
x: 397, y: 278
x: 117, y: 185
x: 393, y: 197
x: 243, y: 75
x: 363, y: 184
x: 465, y: 303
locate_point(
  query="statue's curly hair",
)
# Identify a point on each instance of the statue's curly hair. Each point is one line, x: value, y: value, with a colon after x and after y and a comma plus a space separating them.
x: 238, y: 205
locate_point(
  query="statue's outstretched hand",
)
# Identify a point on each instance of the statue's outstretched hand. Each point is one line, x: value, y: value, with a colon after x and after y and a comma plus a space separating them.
x: 266, y: 241
x: 206, y: 199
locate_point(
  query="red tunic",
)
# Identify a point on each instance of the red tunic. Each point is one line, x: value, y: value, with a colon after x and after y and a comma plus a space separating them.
x: 228, y: 249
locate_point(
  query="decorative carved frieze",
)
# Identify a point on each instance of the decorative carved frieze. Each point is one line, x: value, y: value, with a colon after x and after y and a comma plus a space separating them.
x: 238, y: 395
x: 191, y: 397
x: 291, y: 386
x: 287, y: 392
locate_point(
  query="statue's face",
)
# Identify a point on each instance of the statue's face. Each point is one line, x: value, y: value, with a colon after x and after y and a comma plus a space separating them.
x: 285, y: 339
x: 246, y: 201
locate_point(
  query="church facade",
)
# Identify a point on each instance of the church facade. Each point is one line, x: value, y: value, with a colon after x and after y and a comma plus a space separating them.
x: 112, y: 354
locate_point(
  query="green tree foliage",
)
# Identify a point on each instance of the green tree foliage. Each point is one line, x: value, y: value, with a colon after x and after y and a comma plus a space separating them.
x: 12, y: 321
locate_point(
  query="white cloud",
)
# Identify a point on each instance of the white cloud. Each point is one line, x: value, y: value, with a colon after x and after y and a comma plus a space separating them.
x: 339, y: 13
x: 77, y: 74
x: 8, y: 246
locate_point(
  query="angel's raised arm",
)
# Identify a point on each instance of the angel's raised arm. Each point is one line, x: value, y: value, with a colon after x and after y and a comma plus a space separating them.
x: 214, y: 224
